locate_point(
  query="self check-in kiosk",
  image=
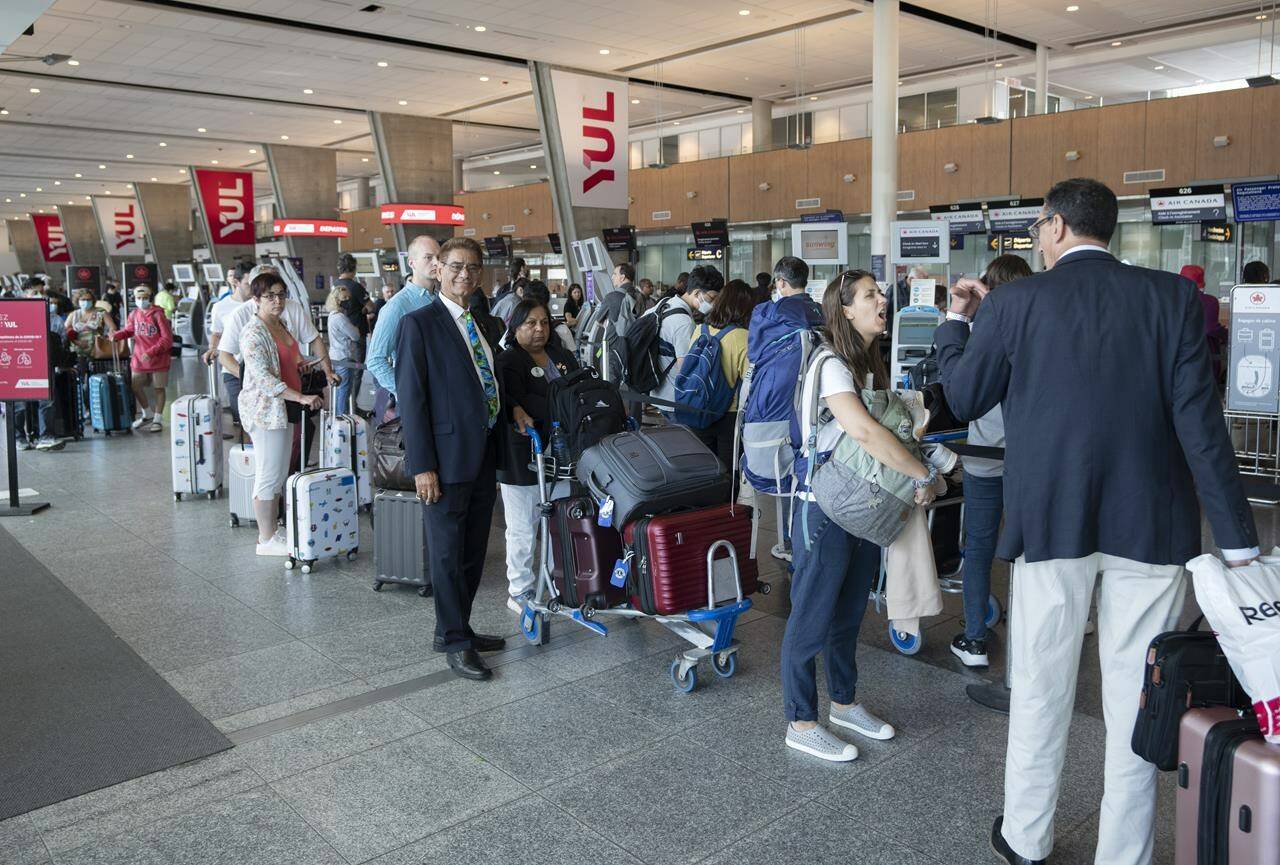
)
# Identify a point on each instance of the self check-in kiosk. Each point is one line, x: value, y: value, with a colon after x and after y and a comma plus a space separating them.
x: 925, y: 243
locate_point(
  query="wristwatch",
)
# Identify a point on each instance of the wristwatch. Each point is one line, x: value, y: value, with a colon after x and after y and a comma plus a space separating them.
x: 959, y: 316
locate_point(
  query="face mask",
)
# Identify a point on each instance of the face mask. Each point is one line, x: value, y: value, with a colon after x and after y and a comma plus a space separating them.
x: 704, y: 307
x: 143, y: 302
x: 86, y: 305
x: 53, y: 306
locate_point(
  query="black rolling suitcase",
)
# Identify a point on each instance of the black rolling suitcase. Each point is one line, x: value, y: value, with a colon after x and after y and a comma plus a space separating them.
x: 68, y: 414
x: 399, y: 542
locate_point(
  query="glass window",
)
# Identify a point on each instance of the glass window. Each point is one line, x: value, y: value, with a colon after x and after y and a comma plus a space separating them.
x: 940, y: 108
x: 911, y: 113
x: 1019, y: 99
x: 670, y: 149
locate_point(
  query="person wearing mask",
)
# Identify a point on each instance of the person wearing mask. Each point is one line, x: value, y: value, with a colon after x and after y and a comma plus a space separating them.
x: 1256, y: 273
x: 764, y: 288
x: 835, y: 571
x: 573, y: 305
x: 508, y: 294
x: 676, y: 332
x: 152, y: 337
x: 419, y: 291
x: 1115, y: 435
x: 66, y: 306
x: 167, y: 299
x: 1214, y: 332
x: 84, y: 328
x: 448, y: 399
x: 731, y: 308
x: 983, y: 500
x: 525, y: 371
x: 344, y: 342
x: 221, y: 314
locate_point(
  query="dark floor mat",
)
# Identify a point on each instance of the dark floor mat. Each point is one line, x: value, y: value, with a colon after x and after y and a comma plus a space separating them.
x: 79, y: 710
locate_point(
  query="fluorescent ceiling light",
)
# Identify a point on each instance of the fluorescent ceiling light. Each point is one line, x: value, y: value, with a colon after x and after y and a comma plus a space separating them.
x: 604, y: 50
x: 382, y: 64
x: 307, y: 91
x: 480, y: 28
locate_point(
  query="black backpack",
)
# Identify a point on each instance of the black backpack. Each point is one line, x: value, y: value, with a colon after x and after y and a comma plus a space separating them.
x: 642, y: 347
x: 587, y: 407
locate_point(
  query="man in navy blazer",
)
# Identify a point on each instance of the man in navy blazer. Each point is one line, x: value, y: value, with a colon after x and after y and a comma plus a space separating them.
x: 447, y: 394
x: 1113, y: 425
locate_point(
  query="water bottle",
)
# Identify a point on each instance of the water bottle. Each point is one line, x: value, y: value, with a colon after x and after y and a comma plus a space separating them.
x: 559, y: 445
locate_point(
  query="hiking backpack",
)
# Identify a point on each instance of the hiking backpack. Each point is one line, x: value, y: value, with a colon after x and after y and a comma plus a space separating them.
x: 768, y: 415
x: 643, y: 353
x: 701, y: 383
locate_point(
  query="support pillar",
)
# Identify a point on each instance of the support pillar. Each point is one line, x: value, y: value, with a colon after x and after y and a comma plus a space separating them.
x: 884, y: 128
x: 573, y: 222
x: 22, y: 236
x: 761, y: 125
x: 166, y: 214
x: 1042, y: 80
x: 363, y: 195
x: 81, y: 225
x: 305, y: 183
x: 415, y: 155
x: 459, y: 178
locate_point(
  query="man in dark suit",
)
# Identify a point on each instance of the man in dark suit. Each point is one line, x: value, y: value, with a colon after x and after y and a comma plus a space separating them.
x: 447, y: 394
x: 1113, y: 425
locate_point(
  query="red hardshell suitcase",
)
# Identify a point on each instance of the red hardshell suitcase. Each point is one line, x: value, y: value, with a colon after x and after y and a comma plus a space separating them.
x: 1228, y: 797
x: 583, y: 554
x: 669, y: 561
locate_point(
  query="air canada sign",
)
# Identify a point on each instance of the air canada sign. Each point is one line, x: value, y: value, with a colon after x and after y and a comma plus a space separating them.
x: 592, y: 114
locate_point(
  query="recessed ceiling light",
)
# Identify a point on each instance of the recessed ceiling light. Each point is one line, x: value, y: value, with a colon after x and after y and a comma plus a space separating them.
x: 284, y: 138
x: 480, y: 28
x: 73, y: 62
x: 201, y: 129
x: 164, y: 144
x: 182, y: 171
x: 253, y: 150
x: 307, y: 91
x: 1158, y: 68
x: 78, y: 174
x: 108, y: 192
x: 364, y: 159
x: 382, y: 64
x: 1199, y: 80
x: 1259, y: 17
x: 403, y: 102
x: 8, y: 201
x: 22, y: 195
x: 604, y: 50
x: 35, y: 89
x: 39, y: 189
x: 1073, y: 8
x: 744, y: 11
x: 813, y: 99
x: 496, y: 171
x: 128, y: 186
x: 128, y: 156
x: 155, y: 180
x: 4, y: 110
x: 213, y: 162
x: 484, y: 77
x: 742, y: 111
x: 88, y: 198
x: 337, y: 122
x: 1116, y: 44
x: 70, y: 202
x: 635, y: 101
x: 102, y: 167
x: 57, y: 183
x: 533, y: 166
x: 999, y: 65
x: 675, y: 122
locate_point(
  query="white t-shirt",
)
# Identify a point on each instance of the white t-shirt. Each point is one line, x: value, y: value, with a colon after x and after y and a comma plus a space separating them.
x: 297, y: 321
x: 836, y: 378
x: 222, y: 311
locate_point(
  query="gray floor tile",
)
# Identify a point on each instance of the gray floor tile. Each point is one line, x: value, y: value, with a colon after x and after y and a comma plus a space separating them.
x: 136, y: 610
x: 90, y: 818
x: 232, y: 685
x: 526, y: 831
x: 336, y: 608
x: 377, y: 801
x: 302, y: 748
x: 816, y: 835
x: 20, y: 843
x: 376, y: 647
x: 553, y: 735
x: 433, y: 662
x: 1078, y: 845
x: 253, y: 828
x: 460, y: 698
x: 175, y: 645
x: 673, y: 803
x: 626, y: 641
x: 291, y: 706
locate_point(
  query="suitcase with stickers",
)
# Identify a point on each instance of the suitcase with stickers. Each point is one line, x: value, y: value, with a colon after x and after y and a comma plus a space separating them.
x: 321, y: 515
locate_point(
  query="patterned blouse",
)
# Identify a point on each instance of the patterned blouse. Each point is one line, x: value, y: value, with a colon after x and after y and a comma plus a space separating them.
x: 87, y: 325
x: 261, y: 405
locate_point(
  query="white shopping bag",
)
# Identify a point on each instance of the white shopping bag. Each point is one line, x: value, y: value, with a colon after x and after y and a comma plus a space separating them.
x: 1242, y: 606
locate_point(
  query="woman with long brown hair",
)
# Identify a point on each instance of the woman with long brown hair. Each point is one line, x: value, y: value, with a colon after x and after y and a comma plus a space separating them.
x: 835, y: 571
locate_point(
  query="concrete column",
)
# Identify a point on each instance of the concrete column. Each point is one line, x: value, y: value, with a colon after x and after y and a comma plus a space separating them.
x: 22, y: 236
x: 573, y: 223
x: 1042, y: 80
x: 884, y: 128
x: 166, y: 214
x: 415, y: 155
x: 81, y: 226
x: 761, y: 125
x: 363, y: 195
x: 459, y: 177
x: 305, y: 183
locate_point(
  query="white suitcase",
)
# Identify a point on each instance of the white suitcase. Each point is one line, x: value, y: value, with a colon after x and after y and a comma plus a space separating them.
x: 241, y: 468
x: 195, y: 435
x: 344, y: 443
x: 321, y: 515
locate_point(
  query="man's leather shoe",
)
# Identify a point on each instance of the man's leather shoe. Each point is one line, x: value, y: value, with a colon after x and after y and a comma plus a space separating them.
x: 1001, y: 846
x: 479, y: 642
x: 467, y: 664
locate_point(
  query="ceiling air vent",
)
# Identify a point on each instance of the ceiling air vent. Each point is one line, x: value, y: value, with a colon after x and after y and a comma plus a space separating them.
x: 1155, y: 175
x: 906, y: 195
x: 807, y: 203
x: 659, y: 215
x: 468, y: 232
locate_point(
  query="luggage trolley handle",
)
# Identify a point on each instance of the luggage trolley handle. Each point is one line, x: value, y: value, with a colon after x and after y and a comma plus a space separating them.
x: 711, y: 572
x: 212, y: 374
x: 540, y: 461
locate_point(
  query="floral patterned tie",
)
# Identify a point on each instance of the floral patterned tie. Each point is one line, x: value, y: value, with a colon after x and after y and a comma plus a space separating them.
x: 482, y: 363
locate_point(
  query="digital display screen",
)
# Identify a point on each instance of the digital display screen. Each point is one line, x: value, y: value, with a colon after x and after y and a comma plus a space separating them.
x: 184, y: 273
x: 713, y: 234
x: 497, y: 247
x: 620, y: 239
x: 554, y: 240
x: 917, y: 332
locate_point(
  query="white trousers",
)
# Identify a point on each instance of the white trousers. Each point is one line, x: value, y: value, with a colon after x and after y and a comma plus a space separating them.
x: 520, y: 509
x: 1050, y: 605
x: 273, y: 449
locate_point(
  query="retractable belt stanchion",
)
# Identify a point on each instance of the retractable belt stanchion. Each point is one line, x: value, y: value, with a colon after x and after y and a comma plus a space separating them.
x: 15, y: 508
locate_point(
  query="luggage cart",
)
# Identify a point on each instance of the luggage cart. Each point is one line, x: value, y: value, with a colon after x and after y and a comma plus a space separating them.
x: 709, y: 630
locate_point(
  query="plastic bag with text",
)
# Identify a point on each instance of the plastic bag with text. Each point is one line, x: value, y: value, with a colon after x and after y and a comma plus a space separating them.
x: 1243, y: 608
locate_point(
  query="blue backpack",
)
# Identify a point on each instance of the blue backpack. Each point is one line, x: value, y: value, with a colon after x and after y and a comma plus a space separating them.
x: 701, y: 383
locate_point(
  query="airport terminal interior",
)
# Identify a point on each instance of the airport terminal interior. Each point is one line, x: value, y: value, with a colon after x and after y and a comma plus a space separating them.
x: 177, y: 686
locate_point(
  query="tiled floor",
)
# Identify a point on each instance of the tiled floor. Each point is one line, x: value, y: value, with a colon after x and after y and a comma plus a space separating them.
x: 581, y: 752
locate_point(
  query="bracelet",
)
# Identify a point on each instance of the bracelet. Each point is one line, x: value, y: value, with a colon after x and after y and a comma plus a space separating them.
x: 928, y: 481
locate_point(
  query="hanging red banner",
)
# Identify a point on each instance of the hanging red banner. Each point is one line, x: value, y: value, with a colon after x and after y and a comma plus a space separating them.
x: 423, y: 214
x: 53, y: 239
x: 310, y: 228
x: 227, y: 199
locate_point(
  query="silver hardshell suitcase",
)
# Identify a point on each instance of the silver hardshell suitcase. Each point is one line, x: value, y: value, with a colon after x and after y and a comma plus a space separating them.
x: 399, y: 542
x: 195, y: 436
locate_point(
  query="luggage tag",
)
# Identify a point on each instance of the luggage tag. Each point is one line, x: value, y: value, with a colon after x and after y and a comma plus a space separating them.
x: 621, y: 570
x: 605, y: 519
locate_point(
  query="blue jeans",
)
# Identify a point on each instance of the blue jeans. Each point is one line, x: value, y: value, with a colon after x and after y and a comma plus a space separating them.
x: 349, y: 385
x: 829, y: 591
x: 33, y: 419
x: 983, y: 507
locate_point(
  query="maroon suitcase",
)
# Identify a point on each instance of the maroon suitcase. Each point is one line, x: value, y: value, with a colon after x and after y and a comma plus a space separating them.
x: 1228, y: 796
x: 669, y: 561
x: 583, y: 554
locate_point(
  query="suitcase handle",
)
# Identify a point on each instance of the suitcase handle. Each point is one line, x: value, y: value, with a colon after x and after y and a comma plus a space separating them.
x: 199, y: 447
x: 711, y: 571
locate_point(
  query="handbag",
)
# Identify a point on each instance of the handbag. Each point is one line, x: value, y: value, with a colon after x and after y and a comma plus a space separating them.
x: 388, y: 458
x: 106, y: 348
x: 314, y: 381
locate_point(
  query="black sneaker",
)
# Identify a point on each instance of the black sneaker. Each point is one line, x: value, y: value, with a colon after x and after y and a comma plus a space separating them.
x: 972, y: 653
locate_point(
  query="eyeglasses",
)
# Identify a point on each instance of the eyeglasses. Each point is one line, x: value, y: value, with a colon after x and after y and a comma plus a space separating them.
x: 275, y: 295
x: 1034, y: 228
x: 456, y: 267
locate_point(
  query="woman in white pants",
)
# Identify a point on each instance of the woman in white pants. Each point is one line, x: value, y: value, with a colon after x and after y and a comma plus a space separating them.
x: 272, y: 374
x: 525, y: 372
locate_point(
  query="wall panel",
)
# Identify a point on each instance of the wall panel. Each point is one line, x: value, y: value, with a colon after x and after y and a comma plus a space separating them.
x: 1122, y: 145
x: 1170, y: 140
x: 828, y: 165
x: 1078, y: 131
x: 367, y: 231
x: 916, y: 171
x: 1231, y: 114
x: 1031, y: 160
x: 951, y: 145
x: 1265, y: 147
x: 645, y: 187
x: 786, y: 172
x: 708, y: 178
x: 990, y: 160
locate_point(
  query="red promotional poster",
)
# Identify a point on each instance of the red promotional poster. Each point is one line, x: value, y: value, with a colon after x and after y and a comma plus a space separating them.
x: 53, y: 240
x: 227, y: 199
x: 24, y: 349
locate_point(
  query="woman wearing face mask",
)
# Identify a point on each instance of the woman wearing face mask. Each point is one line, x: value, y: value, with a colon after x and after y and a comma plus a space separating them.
x: 85, y: 326
x: 835, y: 571
x: 152, y: 337
x: 344, y: 343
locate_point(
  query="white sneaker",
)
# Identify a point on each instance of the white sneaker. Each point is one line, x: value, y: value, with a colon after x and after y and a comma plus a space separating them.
x: 156, y: 426
x: 515, y: 603
x: 859, y: 720
x: 140, y: 422
x: 273, y: 547
x: 780, y: 551
x: 821, y: 743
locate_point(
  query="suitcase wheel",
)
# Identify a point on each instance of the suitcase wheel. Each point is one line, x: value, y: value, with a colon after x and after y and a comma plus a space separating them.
x: 763, y: 588
x: 177, y: 497
x: 688, y: 681
x: 351, y: 556
x: 425, y: 591
x: 533, y: 626
x: 213, y: 494
x: 289, y: 563
x: 907, y: 644
x: 725, y: 664
x: 235, y: 521
x: 306, y: 567
x: 994, y: 611
x: 377, y: 585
